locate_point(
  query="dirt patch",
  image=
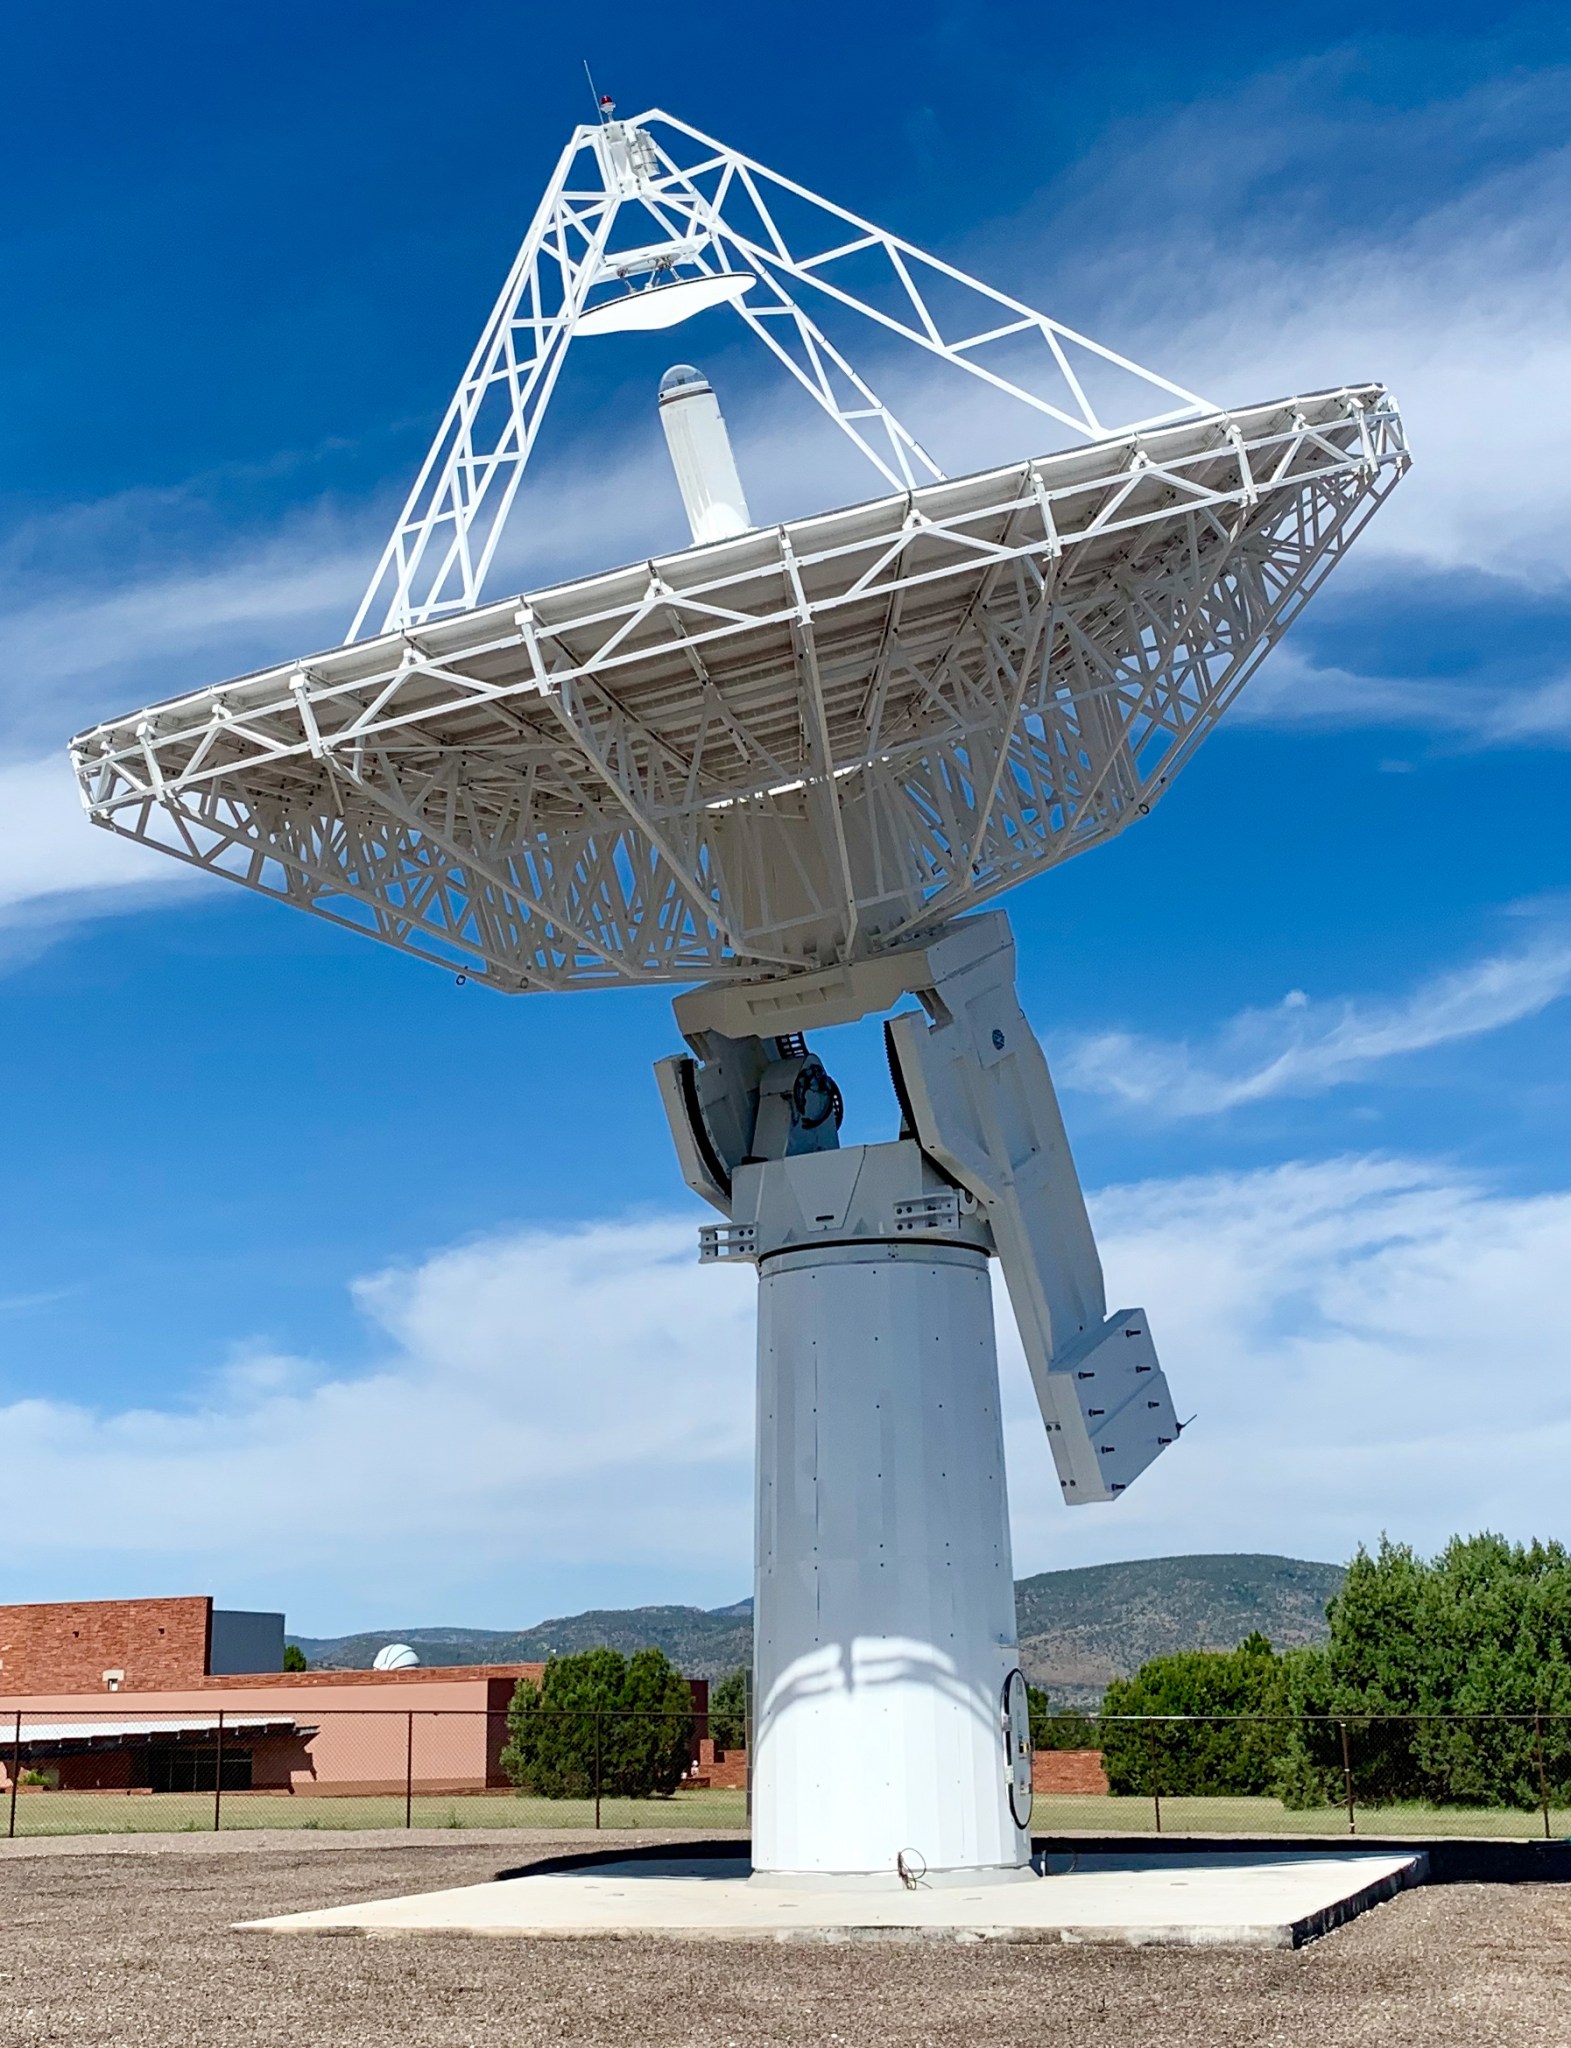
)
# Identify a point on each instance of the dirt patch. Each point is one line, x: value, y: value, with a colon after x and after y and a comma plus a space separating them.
x: 135, y: 1947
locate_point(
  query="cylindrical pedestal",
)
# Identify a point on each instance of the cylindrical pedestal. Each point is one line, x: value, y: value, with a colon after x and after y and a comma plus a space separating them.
x: 884, y: 1613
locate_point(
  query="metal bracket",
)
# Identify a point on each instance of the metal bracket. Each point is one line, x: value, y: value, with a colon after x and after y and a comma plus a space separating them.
x: 929, y: 1212
x: 717, y: 1241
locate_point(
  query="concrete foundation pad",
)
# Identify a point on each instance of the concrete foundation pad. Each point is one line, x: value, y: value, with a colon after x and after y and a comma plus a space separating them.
x: 1197, y: 1899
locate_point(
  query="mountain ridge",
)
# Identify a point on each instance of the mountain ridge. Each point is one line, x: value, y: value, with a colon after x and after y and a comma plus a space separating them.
x: 1079, y: 1628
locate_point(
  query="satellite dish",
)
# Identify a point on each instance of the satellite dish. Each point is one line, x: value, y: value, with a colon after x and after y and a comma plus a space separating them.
x: 795, y: 765
x: 657, y: 305
x: 394, y: 1657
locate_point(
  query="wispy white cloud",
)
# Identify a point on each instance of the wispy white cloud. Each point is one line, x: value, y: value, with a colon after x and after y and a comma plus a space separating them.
x: 1539, y: 714
x: 57, y: 870
x: 235, y: 599
x: 1362, y: 1341
x: 1240, y: 254
x: 540, y: 1401
x: 548, y: 1414
x: 109, y: 604
x: 1293, y: 688
x: 1300, y: 1047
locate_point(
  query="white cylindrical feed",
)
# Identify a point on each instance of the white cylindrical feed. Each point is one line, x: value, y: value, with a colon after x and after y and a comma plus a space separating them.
x: 884, y: 1614
x: 701, y: 455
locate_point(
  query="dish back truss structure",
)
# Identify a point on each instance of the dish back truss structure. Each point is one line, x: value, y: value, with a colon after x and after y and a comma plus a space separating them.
x: 798, y: 748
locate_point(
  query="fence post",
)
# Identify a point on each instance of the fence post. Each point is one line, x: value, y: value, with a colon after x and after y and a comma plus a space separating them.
x: 1543, y: 1778
x: 409, y: 1769
x: 218, y: 1775
x: 1156, y: 1793
x: 1347, y: 1779
x: 16, y: 1772
x: 747, y: 1741
x: 597, y: 1767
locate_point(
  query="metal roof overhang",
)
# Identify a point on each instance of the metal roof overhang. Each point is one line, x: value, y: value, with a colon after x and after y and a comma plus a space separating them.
x: 69, y: 1737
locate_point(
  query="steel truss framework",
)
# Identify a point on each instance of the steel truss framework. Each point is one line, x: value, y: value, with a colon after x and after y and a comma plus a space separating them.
x: 635, y: 206
x: 804, y: 746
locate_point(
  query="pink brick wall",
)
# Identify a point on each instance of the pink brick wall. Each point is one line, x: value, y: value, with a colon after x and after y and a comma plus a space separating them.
x: 1068, y: 1770
x: 720, y: 1767
x: 68, y: 1645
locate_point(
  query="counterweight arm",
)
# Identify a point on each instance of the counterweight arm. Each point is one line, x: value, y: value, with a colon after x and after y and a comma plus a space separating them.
x: 975, y: 1086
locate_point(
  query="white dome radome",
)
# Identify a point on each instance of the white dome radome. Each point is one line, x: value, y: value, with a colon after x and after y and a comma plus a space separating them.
x: 394, y: 1657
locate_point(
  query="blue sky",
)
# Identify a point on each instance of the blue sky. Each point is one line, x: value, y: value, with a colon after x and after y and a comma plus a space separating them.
x: 309, y: 1256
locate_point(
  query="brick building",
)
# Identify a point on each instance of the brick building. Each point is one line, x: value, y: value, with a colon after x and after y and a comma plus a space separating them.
x: 89, y: 1646
x: 148, y: 1695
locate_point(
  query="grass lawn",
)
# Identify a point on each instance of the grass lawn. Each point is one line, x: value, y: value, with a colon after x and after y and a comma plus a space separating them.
x: 109, y: 1813
x: 1062, y: 1813
x: 88, y: 1813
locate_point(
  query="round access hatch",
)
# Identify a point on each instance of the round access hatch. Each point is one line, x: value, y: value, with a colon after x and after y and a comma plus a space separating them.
x: 1017, y: 1746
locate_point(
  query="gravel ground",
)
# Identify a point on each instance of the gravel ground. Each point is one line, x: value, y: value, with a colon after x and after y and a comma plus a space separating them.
x: 131, y: 1944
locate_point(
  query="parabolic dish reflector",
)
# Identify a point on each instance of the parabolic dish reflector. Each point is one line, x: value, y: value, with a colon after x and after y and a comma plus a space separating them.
x: 804, y: 746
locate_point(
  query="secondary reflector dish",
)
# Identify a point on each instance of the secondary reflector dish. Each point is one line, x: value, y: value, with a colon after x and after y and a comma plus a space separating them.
x: 654, y: 306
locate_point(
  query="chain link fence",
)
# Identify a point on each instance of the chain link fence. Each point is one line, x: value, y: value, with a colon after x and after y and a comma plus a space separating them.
x: 1406, y: 1776
x: 1402, y: 1775
x: 91, y: 1773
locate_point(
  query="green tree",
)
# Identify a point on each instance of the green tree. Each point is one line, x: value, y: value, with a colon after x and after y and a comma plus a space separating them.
x: 655, y: 1729
x: 1481, y: 1632
x: 626, y: 1722
x: 1236, y: 1743
x: 728, y: 1710
x: 294, y: 1658
x: 1059, y: 1727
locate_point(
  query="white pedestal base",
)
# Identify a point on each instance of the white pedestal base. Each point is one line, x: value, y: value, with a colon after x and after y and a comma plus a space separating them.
x: 884, y: 1600
x: 1278, y: 1898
